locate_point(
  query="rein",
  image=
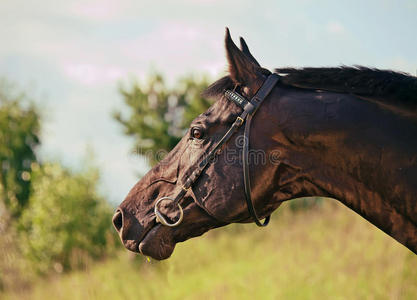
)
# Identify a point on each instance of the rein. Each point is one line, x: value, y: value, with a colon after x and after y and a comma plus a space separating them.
x: 250, y: 107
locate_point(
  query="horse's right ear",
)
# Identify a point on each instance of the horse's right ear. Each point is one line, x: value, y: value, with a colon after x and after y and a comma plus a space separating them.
x: 245, y: 49
x: 242, y: 69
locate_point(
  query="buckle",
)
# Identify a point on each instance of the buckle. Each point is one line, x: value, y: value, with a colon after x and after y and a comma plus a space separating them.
x: 239, y: 121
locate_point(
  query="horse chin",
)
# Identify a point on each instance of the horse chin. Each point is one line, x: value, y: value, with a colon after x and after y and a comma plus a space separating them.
x: 158, y: 243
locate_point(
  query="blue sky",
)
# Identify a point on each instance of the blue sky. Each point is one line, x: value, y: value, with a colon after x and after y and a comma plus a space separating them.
x: 70, y: 56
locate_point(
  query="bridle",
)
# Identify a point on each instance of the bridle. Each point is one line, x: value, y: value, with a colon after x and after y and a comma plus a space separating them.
x: 249, y: 109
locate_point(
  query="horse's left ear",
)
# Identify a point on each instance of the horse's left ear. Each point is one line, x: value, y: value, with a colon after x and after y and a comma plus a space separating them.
x: 243, y: 70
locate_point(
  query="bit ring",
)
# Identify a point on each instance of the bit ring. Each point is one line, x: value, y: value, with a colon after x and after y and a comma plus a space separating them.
x: 161, y: 219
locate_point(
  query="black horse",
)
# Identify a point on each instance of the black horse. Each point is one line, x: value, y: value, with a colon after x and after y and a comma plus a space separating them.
x: 349, y: 133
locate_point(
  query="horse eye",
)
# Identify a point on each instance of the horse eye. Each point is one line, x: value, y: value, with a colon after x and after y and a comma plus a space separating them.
x: 196, y: 133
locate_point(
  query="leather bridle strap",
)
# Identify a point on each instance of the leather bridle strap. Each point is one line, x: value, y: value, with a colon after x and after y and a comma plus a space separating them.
x: 249, y: 109
x: 256, y: 101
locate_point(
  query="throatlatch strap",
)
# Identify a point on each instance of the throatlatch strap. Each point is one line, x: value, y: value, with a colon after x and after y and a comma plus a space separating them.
x: 257, y: 100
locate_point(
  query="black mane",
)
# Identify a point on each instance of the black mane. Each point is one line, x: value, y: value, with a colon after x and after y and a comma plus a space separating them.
x: 218, y: 87
x: 394, y: 88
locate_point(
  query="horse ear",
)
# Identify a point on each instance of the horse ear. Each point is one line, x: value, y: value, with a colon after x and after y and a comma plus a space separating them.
x: 245, y: 49
x: 241, y: 68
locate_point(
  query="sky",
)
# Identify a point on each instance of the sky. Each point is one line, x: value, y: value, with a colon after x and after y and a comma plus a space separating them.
x: 70, y: 57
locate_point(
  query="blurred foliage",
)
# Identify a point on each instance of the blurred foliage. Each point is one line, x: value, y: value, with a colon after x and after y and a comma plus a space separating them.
x: 305, y: 203
x: 158, y: 116
x: 67, y: 222
x: 50, y: 217
x: 19, y: 136
x: 12, y: 263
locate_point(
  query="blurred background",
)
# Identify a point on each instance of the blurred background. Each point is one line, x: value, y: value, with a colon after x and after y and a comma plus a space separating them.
x: 88, y: 95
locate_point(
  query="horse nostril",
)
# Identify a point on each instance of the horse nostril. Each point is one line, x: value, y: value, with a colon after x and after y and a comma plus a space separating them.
x: 118, y: 220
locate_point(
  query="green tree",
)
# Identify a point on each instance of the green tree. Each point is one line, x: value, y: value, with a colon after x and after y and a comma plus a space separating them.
x: 67, y: 222
x: 158, y: 116
x: 19, y: 136
x: 19, y: 131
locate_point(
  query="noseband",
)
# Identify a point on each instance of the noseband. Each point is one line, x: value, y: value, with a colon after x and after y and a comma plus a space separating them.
x: 249, y: 109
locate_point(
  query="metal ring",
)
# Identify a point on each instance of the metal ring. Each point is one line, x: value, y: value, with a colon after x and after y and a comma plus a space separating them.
x: 161, y: 219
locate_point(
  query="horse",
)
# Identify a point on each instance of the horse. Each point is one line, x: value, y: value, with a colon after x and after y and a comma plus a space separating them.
x: 348, y: 133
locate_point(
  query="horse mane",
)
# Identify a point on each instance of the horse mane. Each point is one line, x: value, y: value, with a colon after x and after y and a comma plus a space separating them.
x: 218, y: 87
x: 390, y: 87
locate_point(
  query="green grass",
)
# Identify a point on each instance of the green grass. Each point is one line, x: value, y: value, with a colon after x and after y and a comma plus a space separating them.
x: 329, y: 253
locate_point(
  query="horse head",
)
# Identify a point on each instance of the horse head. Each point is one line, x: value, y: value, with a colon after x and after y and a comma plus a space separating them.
x: 216, y: 198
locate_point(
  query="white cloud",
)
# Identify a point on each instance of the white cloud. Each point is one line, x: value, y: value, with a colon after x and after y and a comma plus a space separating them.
x: 335, y: 27
x: 103, y: 10
x: 90, y: 74
x: 177, y: 48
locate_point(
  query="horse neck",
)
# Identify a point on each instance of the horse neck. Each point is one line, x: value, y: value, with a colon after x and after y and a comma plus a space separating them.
x: 350, y: 149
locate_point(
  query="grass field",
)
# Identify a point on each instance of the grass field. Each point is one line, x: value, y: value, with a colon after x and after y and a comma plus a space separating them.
x: 325, y: 253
